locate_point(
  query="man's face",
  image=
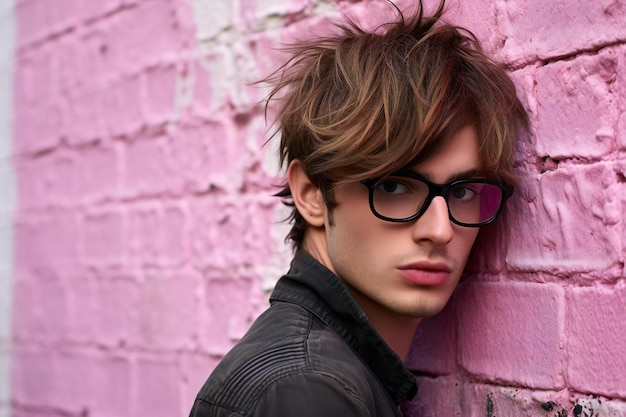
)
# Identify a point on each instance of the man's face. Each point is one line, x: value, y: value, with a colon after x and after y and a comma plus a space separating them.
x: 410, y: 268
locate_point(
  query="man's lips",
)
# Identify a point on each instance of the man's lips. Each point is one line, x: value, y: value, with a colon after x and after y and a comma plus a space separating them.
x: 425, y: 273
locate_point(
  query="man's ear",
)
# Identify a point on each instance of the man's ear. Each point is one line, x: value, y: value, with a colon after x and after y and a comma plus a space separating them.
x: 306, y: 196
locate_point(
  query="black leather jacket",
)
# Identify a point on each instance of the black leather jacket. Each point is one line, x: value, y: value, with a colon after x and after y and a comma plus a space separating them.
x: 312, y: 353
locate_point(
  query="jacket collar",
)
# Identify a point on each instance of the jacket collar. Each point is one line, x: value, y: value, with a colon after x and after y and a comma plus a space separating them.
x: 315, y: 288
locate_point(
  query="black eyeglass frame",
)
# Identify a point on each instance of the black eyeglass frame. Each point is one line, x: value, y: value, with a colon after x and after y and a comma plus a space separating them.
x: 436, y: 190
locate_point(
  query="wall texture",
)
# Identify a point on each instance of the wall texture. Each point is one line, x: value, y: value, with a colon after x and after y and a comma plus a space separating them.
x: 145, y: 238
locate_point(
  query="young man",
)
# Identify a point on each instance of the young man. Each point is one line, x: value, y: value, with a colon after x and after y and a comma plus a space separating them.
x: 399, y: 145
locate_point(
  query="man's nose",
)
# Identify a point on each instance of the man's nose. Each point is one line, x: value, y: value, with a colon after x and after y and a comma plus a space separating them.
x: 434, y: 225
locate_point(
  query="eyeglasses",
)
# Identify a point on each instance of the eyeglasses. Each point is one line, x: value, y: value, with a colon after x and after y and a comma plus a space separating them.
x: 404, y: 196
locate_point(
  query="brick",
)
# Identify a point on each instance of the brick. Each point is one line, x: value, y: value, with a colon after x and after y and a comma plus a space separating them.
x: 480, y: 17
x: 49, y: 241
x: 496, y: 342
x: 159, y: 36
x: 122, y: 106
x: 157, y: 236
x: 41, y: 309
x: 112, y: 378
x: 210, y: 81
x: 211, y: 17
x: 67, y: 65
x: 101, y: 52
x: 595, y: 361
x: 204, y: 156
x: 228, y: 312
x: 213, y: 218
x: 85, y: 119
x: 60, y: 177
x: 534, y: 28
x: 38, y: 127
x: 84, y: 307
x: 52, y: 296
x: 74, y: 383
x: 28, y: 194
x: 167, y: 310
x: 570, y: 218
x: 157, y: 376
x: 113, y: 304
x: 93, y: 65
x: 99, y: 173
x: 175, y: 242
x: 32, y: 377
x: 31, y: 19
x: 433, y: 350
x: 34, y: 75
x: 38, y: 19
x: 48, y: 180
x: 147, y: 170
x: 160, y: 86
x: 577, y: 104
x: 58, y: 17
x: 143, y: 234
x: 102, y: 238
x: 55, y: 380
x: 525, y: 80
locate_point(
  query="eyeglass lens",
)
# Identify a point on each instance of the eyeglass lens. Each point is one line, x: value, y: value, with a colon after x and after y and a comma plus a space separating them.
x: 468, y: 202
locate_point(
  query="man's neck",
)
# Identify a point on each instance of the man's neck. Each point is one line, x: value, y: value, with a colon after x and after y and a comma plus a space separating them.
x: 395, y: 329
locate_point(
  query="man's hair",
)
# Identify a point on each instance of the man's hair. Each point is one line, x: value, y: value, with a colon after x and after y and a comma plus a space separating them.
x: 360, y: 105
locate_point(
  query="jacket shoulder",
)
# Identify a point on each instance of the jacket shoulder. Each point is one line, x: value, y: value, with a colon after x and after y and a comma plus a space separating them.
x: 311, y: 394
x: 286, y: 364
x: 274, y: 347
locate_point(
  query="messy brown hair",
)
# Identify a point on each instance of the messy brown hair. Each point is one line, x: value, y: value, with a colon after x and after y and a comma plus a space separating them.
x: 360, y: 104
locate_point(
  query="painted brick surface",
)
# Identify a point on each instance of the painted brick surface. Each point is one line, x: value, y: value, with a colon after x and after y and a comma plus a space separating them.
x: 596, y: 362
x: 146, y: 237
x: 575, y: 220
x: 527, y: 351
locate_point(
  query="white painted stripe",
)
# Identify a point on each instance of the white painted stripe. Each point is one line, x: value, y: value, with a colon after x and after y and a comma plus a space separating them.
x: 7, y: 196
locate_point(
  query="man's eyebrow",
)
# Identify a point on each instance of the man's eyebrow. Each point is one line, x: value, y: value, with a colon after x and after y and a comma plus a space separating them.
x: 470, y: 173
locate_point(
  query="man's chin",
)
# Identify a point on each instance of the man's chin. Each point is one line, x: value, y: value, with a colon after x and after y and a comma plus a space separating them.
x: 424, y: 311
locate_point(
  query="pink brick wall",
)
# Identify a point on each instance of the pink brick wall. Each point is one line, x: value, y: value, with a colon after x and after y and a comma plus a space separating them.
x: 145, y: 237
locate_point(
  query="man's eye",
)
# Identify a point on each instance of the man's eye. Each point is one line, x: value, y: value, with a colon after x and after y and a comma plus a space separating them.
x: 464, y: 193
x: 392, y: 187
